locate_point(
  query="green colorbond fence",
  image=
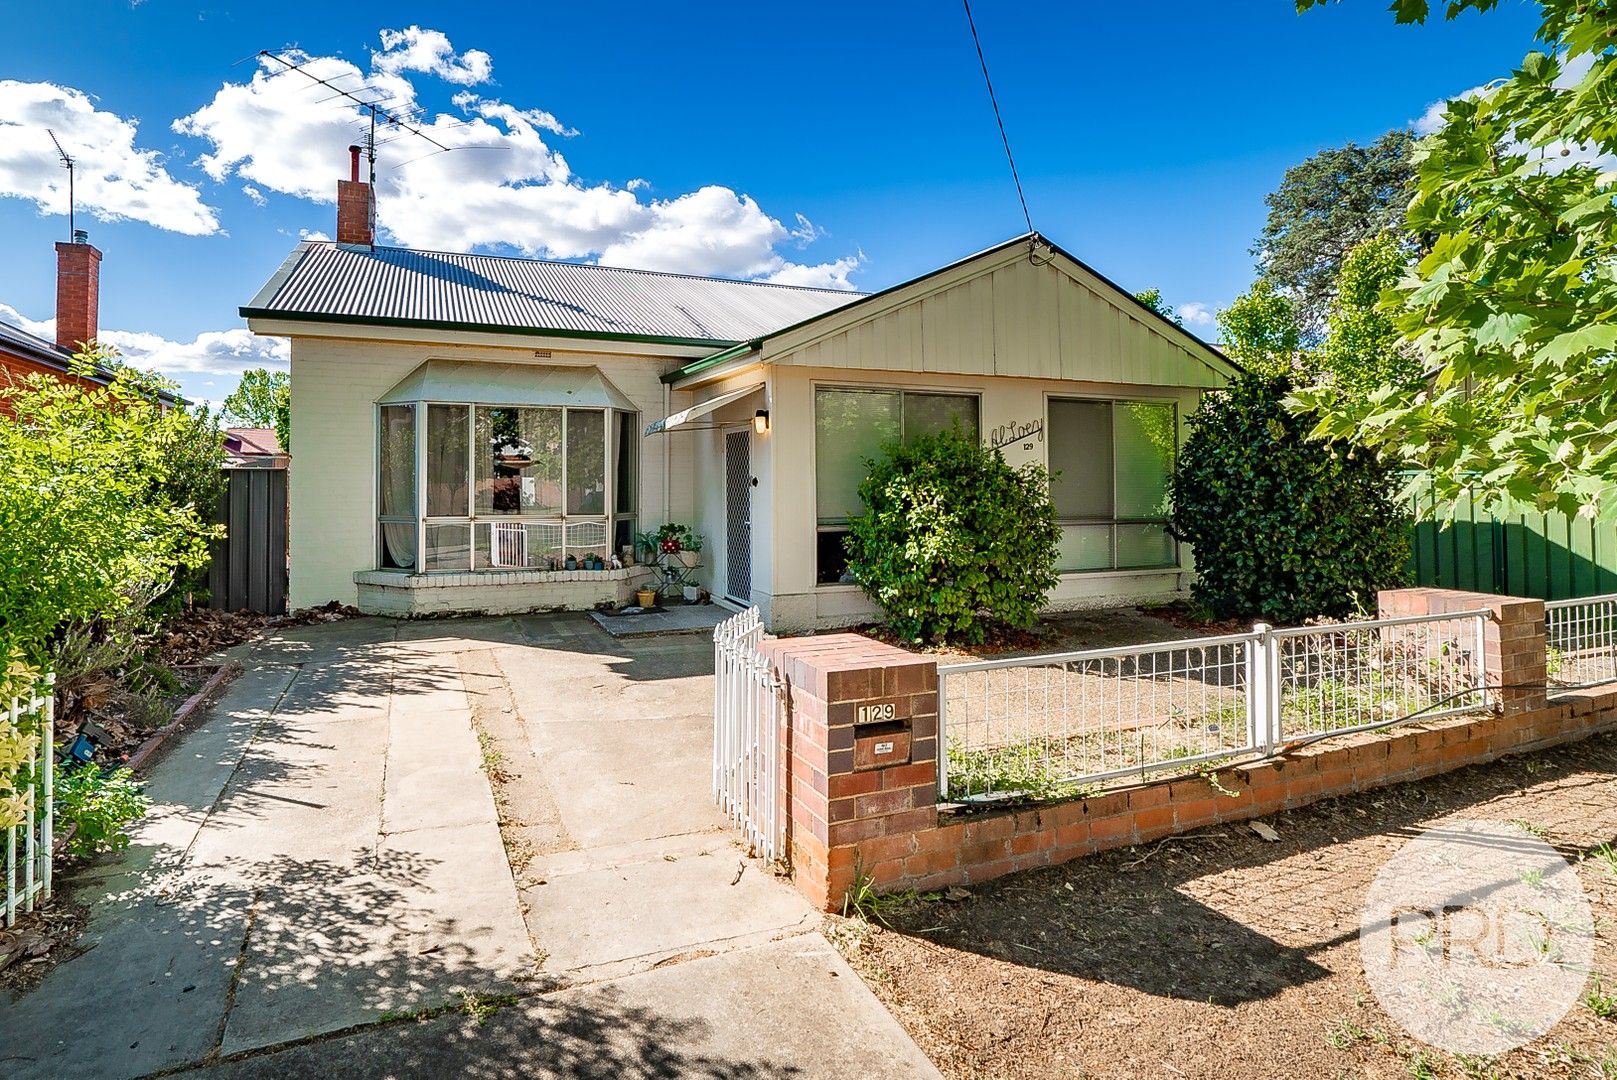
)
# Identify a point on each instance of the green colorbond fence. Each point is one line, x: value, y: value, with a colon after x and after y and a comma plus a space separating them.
x: 1517, y: 552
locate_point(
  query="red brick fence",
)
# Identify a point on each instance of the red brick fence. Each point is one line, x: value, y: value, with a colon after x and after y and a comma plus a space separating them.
x: 861, y: 739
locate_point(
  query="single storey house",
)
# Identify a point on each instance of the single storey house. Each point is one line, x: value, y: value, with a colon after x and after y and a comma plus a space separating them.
x: 466, y: 422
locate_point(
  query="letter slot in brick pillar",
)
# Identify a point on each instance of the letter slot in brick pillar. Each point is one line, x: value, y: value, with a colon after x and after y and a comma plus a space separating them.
x: 881, y: 735
x: 863, y: 748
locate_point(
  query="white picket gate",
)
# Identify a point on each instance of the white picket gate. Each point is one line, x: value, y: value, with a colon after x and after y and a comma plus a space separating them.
x: 28, y: 843
x: 747, y: 737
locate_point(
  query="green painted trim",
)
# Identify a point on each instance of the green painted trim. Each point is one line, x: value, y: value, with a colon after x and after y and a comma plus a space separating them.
x: 471, y: 327
x: 712, y: 361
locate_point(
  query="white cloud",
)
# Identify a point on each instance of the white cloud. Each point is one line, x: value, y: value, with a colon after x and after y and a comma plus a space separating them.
x: 1195, y: 314
x: 213, y: 352
x: 429, y: 51
x: 505, y: 184
x: 254, y: 194
x: 45, y: 329
x: 312, y: 234
x: 114, y: 180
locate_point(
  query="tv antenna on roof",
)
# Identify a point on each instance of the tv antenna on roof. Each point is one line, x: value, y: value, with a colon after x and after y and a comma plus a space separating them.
x: 373, y: 109
x: 67, y: 163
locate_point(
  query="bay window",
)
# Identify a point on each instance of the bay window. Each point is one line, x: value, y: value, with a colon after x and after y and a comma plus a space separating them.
x: 503, y: 487
x: 850, y: 428
x: 1112, y: 461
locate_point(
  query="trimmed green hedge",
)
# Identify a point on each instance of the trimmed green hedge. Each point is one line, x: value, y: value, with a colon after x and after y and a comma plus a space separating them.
x: 954, y: 541
x: 1283, y: 527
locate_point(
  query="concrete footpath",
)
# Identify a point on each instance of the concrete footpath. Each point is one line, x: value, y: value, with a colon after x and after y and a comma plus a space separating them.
x: 323, y: 888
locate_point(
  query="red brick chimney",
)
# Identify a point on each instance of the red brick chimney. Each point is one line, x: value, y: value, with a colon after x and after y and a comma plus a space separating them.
x: 78, y: 292
x: 356, y: 206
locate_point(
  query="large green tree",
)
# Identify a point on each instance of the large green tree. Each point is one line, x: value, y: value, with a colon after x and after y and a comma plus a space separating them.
x: 1362, y: 350
x: 263, y: 399
x: 1325, y: 207
x: 1259, y: 331
x: 1513, y: 307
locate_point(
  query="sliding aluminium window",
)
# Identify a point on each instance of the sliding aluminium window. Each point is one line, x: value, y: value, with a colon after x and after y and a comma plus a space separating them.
x: 850, y: 428
x: 1112, y: 461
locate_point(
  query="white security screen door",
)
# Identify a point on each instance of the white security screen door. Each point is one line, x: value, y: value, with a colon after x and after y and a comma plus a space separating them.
x: 738, y: 516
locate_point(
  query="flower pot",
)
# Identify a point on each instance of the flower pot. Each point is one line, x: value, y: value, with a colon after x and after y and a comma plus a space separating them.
x: 690, y: 560
x: 692, y: 593
x: 646, y: 597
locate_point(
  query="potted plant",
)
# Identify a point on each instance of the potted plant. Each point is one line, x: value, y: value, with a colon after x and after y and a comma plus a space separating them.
x: 678, y: 543
x: 690, y: 552
x: 646, y: 546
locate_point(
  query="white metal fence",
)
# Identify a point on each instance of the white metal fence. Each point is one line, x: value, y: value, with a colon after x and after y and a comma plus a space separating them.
x: 747, y: 743
x: 28, y: 798
x: 1582, y: 640
x: 1043, y: 726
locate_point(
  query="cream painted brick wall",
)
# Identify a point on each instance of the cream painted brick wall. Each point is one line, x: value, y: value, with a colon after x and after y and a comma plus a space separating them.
x: 335, y: 385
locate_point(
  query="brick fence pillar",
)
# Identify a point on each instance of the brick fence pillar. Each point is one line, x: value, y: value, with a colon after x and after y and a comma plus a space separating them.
x: 861, y: 740
x: 1515, y: 646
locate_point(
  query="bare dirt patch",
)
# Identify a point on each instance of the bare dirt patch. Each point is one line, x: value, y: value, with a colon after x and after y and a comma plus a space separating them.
x: 1067, y: 632
x: 1219, y: 954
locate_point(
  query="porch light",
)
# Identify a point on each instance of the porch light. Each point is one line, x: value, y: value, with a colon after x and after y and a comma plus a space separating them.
x: 760, y: 421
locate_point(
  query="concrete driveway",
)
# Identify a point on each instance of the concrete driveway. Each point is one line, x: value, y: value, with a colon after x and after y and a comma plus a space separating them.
x: 476, y: 847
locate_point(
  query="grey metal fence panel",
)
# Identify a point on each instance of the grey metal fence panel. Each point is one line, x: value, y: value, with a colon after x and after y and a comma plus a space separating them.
x: 248, y: 571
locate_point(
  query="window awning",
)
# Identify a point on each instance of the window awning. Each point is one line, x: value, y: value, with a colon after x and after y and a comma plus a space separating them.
x: 483, y: 383
x: 685, y: 416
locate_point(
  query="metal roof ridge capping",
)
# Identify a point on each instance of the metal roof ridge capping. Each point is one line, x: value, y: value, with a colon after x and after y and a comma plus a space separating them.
x: 331, y: 282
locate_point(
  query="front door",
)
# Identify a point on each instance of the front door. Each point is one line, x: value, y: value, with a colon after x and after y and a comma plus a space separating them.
x: 738, y: 516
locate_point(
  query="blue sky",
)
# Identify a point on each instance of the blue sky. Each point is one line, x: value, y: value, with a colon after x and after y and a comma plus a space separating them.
x: 847, y: 144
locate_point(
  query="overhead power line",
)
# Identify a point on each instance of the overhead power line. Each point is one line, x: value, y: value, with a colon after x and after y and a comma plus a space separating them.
x: 374, y: 110
x: 1000, y: 120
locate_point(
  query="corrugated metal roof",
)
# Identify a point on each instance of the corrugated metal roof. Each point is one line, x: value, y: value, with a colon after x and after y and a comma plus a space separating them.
x: 399, y: 286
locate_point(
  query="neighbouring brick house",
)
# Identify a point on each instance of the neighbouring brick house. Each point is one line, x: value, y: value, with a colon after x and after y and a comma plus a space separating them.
x: 254, y: 448
x: 78, y: 298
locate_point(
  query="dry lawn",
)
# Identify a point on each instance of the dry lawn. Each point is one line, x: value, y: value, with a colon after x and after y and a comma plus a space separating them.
x: 1218, y: 954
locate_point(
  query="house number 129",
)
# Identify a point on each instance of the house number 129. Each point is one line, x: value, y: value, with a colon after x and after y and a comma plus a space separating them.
x: 871, y: 714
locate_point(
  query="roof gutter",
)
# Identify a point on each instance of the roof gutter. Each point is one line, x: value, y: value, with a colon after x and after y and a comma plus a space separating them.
x: 698, y: 366
x: 472, y: 327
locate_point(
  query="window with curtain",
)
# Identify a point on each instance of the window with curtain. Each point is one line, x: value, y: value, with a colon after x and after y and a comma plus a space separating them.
x: 1112, y: 461
x: 396, y: 487
x: 850, y: 428
x: 504, y: 487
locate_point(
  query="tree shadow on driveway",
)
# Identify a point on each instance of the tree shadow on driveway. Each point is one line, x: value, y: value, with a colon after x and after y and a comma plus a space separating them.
x: 595, y: 1037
